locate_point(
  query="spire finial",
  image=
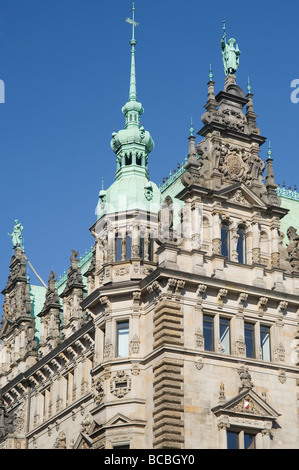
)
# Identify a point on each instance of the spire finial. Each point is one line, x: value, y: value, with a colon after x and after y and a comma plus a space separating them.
x: 102, y: 183
x: 269, y: 153
x: 132, y: 22
x: 191, y: 128
x: 132, y: 94
x: 210, y: 74
x: 248, y: 86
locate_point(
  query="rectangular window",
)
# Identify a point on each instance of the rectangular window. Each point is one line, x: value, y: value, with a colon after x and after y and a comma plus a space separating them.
x: 123, y: 339
x: 208, y: 332
x: 240, y: 440
x: 265, y: 343
x: 224, y: 326
x: 232, y: 440
x: 249, y: 339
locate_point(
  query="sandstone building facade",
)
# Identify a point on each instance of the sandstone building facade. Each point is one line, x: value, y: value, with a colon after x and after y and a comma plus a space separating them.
x: 179, y: 329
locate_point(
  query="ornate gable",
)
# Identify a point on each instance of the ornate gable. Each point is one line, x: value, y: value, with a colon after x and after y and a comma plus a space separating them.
x: 247, y: 409
x: 242, y: 196
x: 94, y: 434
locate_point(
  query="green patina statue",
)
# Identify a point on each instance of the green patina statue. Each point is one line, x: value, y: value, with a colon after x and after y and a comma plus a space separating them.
x: 16, y: 235
x: 230, y: 54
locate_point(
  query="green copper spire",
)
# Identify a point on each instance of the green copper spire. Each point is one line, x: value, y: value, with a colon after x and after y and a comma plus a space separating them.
x: 210, y: 73
x: 133, y: 42
x: 132, y: 144
x: 132, y: 109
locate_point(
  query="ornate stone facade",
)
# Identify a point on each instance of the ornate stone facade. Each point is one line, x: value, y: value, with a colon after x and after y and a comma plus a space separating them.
x: 181, y: 328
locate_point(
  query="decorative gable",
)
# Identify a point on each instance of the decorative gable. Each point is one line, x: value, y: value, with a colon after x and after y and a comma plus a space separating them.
x: 247, y: 409
x: 250, y: 404
x: 241, y: 195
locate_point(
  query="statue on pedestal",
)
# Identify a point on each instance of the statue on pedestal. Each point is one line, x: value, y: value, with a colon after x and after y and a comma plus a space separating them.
x: 230, y: 54
x: 16, y: 235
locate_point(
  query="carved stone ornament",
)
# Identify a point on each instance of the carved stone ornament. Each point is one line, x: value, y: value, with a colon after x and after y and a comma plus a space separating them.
x: 199, y: 339
x: 60, y: 442
x: 245, y: 378
x: 120, y: 384
x: 134, y: 345
x: 108, y: 349
x: 98, y: 390
x: 248, y: 405
x: 199, y: 364
x: 279, y: 353
x: 238, y: 198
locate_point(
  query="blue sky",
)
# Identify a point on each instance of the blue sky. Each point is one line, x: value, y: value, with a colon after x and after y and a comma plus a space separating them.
x: 65, y: 64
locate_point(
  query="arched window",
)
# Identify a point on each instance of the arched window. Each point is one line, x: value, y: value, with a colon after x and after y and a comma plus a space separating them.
x: 225, y: 240
x: 241, y: 245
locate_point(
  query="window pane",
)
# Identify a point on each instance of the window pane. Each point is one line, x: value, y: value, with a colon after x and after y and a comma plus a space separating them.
x: 117, y: 249
x: 225, y: 240
x: 249, y: 339
x: 128, y: 247
x: 208, y: 332
x: 249, y: 441
x: 232, y: 440
x: 265, y: 343
x: 225, y: 335
x: 123, y: 339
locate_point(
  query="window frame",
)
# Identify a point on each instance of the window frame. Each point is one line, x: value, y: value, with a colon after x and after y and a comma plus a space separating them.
x: 228, y: 320
x: 240, y: 437
x: 118, y: 330
x: 212, y: 329
x: 252, y: 324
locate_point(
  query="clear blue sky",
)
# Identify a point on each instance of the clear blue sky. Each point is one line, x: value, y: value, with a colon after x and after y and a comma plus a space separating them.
x: 65, y: 64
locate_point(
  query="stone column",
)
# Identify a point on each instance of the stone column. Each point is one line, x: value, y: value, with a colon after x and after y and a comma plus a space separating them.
x: 99, y: 346
x: 216, y: 241
x: 196, y: 214
x: 233, y: 243
x: 266, y: 438
x: 275, y: 262
x: 223, y: 425
x: 256, y: 250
